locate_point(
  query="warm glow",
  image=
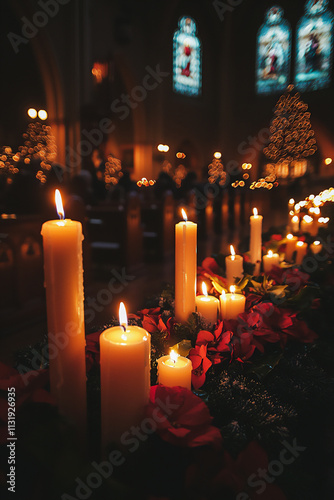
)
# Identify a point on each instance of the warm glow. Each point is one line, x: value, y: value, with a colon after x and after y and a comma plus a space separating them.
x: 316, y: 242
x: 232, y: 289
x: 328, y: 161
x: 223, y: 293
x: 217, y: 155
x: 291, y: 201
x: 300, y: 243
x: 32, y: 113
x: 270, y: 253
x: 204, y: 289
x: 180, y: 155
x: 255, y: 212
x: 289, y: 236
x: 59, y: 205
x: 316, y: 211
x: 295, y: 218
x: 307, y: 219
x: 173, y: 355
x: 42, y: 114
x: 297, y: 207
x: 232, y: 252
x: 184, y: 215
x: 163, y: 148
x: 123, y: 319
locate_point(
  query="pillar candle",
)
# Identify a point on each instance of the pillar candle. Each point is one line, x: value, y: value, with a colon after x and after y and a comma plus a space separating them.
x: 270, y: 260
x: 290, y: 246
x: 63, y: 279
x: 174, y: 370
x: 316, y: 247
x: 234, y: 266
x: 323, y: 221
x: 306, y: 225
x: 301, y: 249
x: 185, y: 268
x: 207, y: 305
x: 125, y: 378
x: 294, y: 224
x: 231, y: 304
x: 255, y: 245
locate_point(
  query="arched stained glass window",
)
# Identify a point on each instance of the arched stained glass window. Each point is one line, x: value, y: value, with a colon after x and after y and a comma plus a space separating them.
x: 273, y: 53
x: 187, y: 59
x: 314, y: 46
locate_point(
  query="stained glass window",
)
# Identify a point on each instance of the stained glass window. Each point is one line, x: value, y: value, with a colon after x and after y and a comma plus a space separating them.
x: 273, y: 53
x: 314, y: 46
x: 187, y: 59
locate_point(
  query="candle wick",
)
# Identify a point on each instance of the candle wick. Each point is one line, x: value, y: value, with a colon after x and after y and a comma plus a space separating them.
x: 124, y: 327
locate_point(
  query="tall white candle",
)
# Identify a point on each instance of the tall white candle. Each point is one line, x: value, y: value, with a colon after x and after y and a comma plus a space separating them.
x: 234, y: 266
x: 301, y: 249
x: 294, y: 224
x: 255, y: 245
x: 63, y: 278
x: 290, y: 246
x: 125, y: 378
x: 185, y: 268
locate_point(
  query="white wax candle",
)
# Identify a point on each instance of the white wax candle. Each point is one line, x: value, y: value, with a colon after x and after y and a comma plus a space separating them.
x: 185, y: 268
x: 207, y: 305
x: 290, y: 246
x: 231, y: 304
x: 294, y: 224
x: 234, y: 266
x: 301, y: 249
x: 255, y: 245
x: 174, y: 370
x: 125, y: 378
x: 63, y: 278
x: 316, y: 247
x: 307, y: 225
x: 270, y: 260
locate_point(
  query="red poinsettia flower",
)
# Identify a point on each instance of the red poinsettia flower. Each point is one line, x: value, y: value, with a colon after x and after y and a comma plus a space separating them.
x: 218, y: 343
x: 201, y: 364
x: 236, y: 473
x: 182, y: 418
x: 293, y: 277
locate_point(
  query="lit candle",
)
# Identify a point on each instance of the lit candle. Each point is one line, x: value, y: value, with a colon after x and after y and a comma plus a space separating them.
x: 294, y: 224
x: 255, y: 245
x: 174, y: 370
x: 316, y: 247
x: 207, y: 305
x: 270, y: 260
x: 291, y: 203
x: 125, y: 378
x: 234, y: 266
x: 306, y: 225
x: 301, y: 249
x: 63, y: 278
x: 185, y: 268
x: 323, y: 221
x: 231, y: 304
x: 290, y: 246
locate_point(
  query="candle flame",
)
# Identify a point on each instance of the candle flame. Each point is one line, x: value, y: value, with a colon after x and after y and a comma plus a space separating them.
x: 300, y: 243
x: 173, y: 355
x: 204, y: 289
x: 232, y: 250
x: 255, y: 212
x: 316, y: 242
x: 123, y: 319
x: 270, y: 253
x: 307, y: 218
x: 295, y: 218
x: 223, y: 293
x: 184, y: 215
x: 289, y: 236
x: 59, y: 205
x: 291, y: 201
x: 232, y: 289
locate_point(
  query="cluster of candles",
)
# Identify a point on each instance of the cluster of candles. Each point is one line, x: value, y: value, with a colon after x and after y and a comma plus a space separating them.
x: 124, y: 350
x: 310, y: 222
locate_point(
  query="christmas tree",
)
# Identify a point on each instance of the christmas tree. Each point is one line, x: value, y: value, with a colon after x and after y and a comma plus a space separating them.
x: 291, y: 135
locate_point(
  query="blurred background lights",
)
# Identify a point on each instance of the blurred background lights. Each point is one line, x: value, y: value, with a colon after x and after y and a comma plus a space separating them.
x: 32, y: 113
x: 42, y: 114
x: 163, y: 148
x: 217, y: 155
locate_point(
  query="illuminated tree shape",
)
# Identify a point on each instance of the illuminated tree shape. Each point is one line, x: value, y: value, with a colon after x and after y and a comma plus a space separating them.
x: 314, y: 46
x: 187, y: 59
x: 291, y: 136
x: 273, y: 53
